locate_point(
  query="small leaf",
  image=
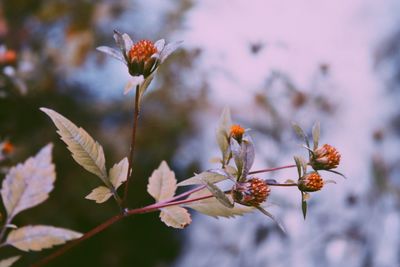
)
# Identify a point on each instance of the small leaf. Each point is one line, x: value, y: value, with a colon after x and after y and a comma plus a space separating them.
x: 338, y: 173
x: 112, y: 52
x: 162, y: 183
x: 29, y: 184
x: 243, y: 154
x: 144, y: 85
x: 9, y: 261
x: 222, y: 134
x: 299, y: 131
x: 39, y: 237
x: 290, y: 181
x: 208, y: 176
x: 219, y: 195
x: 100, y: 194
x: 237, y: 156
x: 169, y: 49
x: 176, y: 217
x: 212, y: 207
x: 297, y: 160
x: 280, y: 225
x: 304, y: 204
x: 329, y: 182
x: 118, y: 173
x: 132, y: 83
x: 85, y: 150
x: 316, y: 133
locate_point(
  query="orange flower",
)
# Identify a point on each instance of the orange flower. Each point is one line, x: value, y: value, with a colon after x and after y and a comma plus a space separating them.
x: 253, y: 192
x: 237, y: 132
x: 325, y: 158
x: 311, y: 182
x: 7, y: 148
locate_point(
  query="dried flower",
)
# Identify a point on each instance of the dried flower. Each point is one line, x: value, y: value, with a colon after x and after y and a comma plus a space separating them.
x: 311, y: 182
x: 142, y: 58
x: 7, y: 147
x: 251, y: 192
x: 325, y: 158
x: 237, y: 132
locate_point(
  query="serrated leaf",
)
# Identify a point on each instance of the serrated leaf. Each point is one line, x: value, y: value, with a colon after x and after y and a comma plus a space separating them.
x: 39, y: 237
x: 29, y: 184
x: 219, y: 195
x: 222, y: 134
x: 85, y: 150
x: 176, y: 217
x: 204, y: 177
x: 118, y: 173
x: 316, y: 133
x: 100, y: 194
x: 8, y: 262
x: 162, y: 183
x: 299, y: 131
x: 212, y: 207
x: 280, y: 225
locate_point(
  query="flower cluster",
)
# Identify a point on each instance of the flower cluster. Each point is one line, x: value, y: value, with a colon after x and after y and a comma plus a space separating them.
x: 325, y: 158
x: 252, y: 192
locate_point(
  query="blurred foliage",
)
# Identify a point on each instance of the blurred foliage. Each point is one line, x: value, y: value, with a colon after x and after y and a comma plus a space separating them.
x: 55, y: 38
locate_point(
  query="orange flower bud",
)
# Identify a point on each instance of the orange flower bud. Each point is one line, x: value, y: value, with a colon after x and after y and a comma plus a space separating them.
x: 237, y: 132
x: 311, y: 182
x: 251, y: 193
x: 325, y: 158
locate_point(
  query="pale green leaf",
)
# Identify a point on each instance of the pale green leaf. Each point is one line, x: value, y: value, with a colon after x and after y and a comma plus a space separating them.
x: 162, y: 183
x: 222, y: 134
x: 39, y: 237
x: 212, y: 207
x: 202, y: 178
x: 279, y: 223
x: 9, y: 262
x: 299, y: 131
x: 219, y: 195
x: 85, y: 150
x: 315, y: 134
x: 118, y: 173
x: 29, y: 184
x: 176, y: 217
x: 100, y: 194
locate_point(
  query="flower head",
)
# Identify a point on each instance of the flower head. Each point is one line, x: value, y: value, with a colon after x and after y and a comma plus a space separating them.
x: 311, y: 182
x: 142, y: 58
x: 325, y: 158
x: 252, y: 192
x: 237, y: 132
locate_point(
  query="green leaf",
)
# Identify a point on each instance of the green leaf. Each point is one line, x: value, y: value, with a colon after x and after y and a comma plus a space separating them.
x: 162, y: 183
x: 29, y: 184
x: 213, y: 207
x: 316, y: 133
x: 304, y: 204
x: 39, y: 237
x: 84, y: 149
x: 219, y: 195
x: 9, y: 261
x: 222, y: 134
x: 176, y: 217
x: 280, y: 225
x: 336, y: 172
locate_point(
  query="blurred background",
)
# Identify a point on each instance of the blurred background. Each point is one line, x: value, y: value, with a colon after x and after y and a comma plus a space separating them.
x: 272, y: 62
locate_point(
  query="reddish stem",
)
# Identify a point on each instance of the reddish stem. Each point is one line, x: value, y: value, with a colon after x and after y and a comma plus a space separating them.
x: 132, y: 149
x: 273, y: 169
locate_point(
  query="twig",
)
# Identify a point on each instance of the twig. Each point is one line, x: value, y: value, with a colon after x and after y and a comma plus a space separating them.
x: 132, y: 149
